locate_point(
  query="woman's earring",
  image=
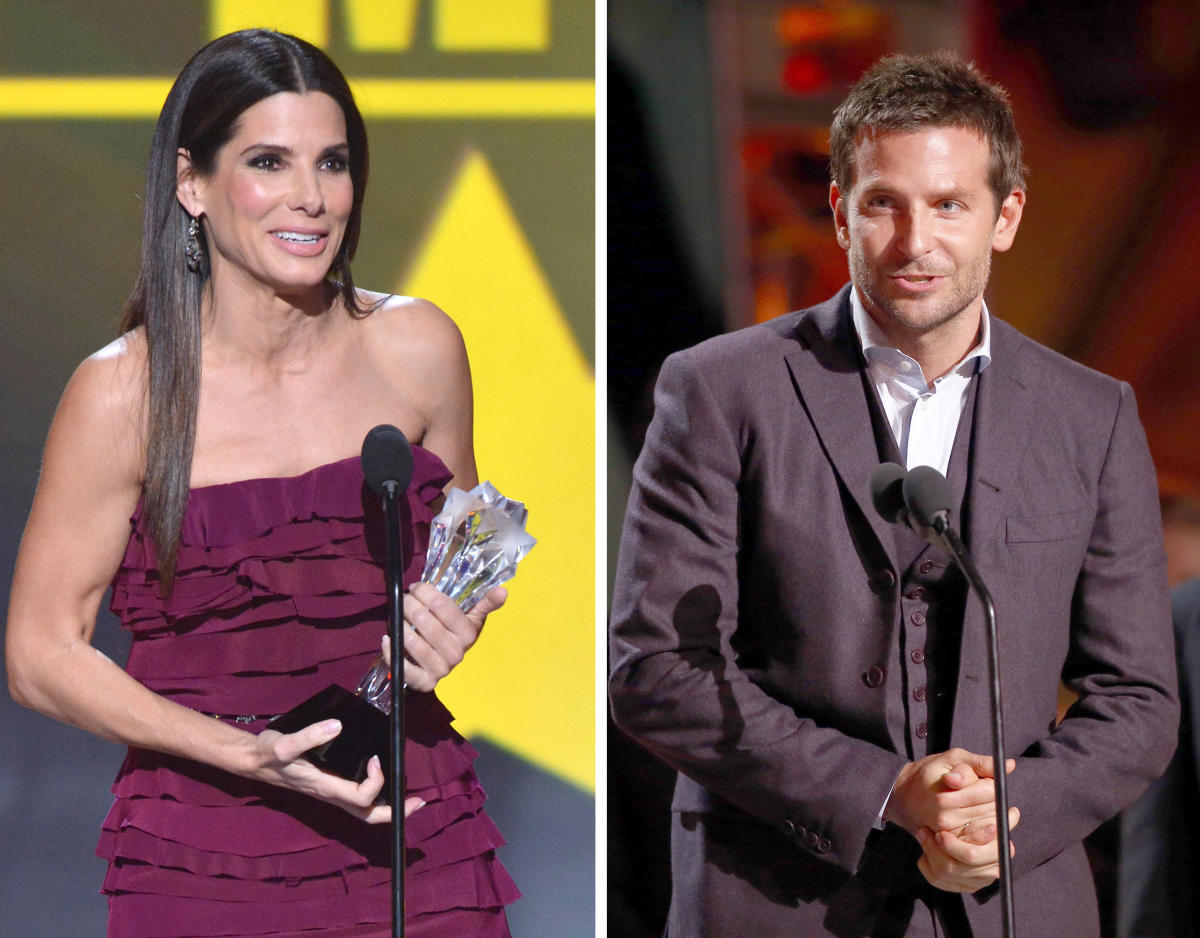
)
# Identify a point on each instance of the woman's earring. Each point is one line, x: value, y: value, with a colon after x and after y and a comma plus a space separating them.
x: 192, y: 251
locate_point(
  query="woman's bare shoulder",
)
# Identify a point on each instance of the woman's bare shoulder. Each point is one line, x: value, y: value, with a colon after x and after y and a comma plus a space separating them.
x: 103, y: 406
x: 420, y: 353
x: 415, y: 331
x: 112, y: 378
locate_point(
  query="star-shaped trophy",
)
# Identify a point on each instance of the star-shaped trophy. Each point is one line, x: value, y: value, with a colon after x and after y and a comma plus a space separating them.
x: 475, y: 543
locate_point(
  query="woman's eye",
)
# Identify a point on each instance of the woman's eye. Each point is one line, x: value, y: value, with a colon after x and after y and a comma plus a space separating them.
x: 336, y: 164
x: 265, y: 161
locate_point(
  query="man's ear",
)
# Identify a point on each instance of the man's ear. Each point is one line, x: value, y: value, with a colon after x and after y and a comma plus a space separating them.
x: 189, y: 187
x: 1010, y: 218
x: 840, y: 228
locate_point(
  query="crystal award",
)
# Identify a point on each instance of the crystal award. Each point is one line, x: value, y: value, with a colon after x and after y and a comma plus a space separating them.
x: 475, y: 543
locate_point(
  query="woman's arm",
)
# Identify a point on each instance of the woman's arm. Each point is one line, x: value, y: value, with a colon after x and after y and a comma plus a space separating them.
x: 73, y: 543
x: 436, y: 357
x: 425, y: 350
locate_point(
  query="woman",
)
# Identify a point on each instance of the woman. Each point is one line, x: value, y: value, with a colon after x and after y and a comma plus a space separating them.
x: 223, y: 503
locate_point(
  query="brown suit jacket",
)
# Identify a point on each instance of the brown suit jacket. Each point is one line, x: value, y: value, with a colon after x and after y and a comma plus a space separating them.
x: 752, y: 602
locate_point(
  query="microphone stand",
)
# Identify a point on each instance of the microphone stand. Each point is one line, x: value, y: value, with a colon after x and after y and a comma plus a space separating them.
x: 953, y: 545
x: 395, y: 623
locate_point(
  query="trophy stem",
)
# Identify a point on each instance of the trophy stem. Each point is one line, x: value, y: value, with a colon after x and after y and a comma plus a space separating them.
x: 395, y: 568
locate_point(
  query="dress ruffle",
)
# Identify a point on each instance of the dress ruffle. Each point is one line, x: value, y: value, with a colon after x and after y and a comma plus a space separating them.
x: 280, y: 592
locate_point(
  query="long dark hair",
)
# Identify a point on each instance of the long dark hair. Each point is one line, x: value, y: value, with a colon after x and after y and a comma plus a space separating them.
x: 222, y: 80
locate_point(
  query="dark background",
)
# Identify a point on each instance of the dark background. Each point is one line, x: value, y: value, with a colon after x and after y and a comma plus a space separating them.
x: 717, y: 215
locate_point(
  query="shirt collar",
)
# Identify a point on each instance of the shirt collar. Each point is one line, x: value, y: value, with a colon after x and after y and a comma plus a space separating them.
x: 879, y: 351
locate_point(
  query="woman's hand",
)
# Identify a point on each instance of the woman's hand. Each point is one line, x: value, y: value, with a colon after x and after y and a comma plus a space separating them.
x: 437, y: 633
x: 280, y: 763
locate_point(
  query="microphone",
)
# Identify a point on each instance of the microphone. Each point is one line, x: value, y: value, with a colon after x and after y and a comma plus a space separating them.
x: 928, y: 498
x: 887, y: 494
x: 922, y: 499
x: 890, y: 486
x: 386, y: 457
x: 387, y: 463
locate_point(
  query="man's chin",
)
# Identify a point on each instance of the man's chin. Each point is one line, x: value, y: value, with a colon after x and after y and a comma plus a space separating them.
x: 908, y: 305
x: 917, y: 317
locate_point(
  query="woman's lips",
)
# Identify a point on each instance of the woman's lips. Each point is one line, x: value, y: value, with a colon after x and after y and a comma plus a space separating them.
x: 301, y: 243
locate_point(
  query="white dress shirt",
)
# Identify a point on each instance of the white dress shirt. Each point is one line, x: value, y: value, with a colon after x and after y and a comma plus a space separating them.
x: 924, y: 420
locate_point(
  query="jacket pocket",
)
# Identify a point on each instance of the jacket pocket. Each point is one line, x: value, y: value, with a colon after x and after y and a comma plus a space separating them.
x: 1059, y: 526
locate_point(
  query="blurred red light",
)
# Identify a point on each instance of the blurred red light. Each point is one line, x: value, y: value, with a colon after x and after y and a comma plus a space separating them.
x: 756, y: 155
x: 806, y: 74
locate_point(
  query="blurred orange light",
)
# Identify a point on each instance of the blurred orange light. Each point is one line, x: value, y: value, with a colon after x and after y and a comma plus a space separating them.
x: 854, y: 22
x: 806, y: 24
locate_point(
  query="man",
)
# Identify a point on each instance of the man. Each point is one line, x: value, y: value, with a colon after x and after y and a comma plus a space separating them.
x: 1160, y: 832
x: 806, y: 666
x: 1181, y: 537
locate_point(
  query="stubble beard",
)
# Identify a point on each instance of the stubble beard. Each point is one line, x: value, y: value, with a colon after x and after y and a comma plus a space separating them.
x: 920, y: 315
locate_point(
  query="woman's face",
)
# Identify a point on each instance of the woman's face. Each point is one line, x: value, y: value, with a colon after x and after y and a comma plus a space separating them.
x: 277, y: 202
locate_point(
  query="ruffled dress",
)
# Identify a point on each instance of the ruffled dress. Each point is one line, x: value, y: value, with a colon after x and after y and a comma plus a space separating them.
x: 279, y: 592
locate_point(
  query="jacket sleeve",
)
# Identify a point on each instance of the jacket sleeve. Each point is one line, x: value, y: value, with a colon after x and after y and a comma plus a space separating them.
x: 1121, y: 732
x: 675, y: 682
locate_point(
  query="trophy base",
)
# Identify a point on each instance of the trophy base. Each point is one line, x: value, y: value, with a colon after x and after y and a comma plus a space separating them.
x: 365, y: 732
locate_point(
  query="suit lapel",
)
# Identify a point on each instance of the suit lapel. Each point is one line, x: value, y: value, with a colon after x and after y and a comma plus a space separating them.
x: 1004, y: 411
x: 827, y: 373
x: 1004, y: 414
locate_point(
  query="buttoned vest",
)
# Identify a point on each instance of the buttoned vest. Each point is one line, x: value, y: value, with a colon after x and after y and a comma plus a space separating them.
x: 922, y: 673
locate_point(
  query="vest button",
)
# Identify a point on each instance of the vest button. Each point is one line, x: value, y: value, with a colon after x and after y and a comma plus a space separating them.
x: 917, y: 618
x: 919, y: 694
x: 881, y: 581
x: 922, y: 731
x: 874, y: 676
x: 926, y: 566
x: 917, y: 592
x: 918, y: 656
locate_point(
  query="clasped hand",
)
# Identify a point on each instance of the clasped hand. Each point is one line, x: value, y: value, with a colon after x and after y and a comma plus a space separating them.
x: 947, y: 802
x: 437, y: 634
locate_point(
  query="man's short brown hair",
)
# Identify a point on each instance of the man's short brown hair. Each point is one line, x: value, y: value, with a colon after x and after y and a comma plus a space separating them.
x: 906, y: 93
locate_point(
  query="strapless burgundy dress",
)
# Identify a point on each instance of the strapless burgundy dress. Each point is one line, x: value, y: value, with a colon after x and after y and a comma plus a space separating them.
x: 280, y: 592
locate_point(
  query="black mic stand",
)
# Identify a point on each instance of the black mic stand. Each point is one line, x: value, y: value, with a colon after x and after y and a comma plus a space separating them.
x: 921, y: 499
x: 388, y: 468
x: 953, y: 545
x: 395, y: 624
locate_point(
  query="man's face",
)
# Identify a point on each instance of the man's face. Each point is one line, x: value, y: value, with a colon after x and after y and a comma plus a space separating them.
x: 919, y: 225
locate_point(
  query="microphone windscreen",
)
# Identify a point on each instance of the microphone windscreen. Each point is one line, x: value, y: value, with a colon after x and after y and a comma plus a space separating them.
x: 386, y: 457
x: 887, y: 495
x: 927, y: 495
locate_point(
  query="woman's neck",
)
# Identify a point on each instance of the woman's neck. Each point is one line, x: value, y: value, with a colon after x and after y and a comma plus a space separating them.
x: 262, y: 327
